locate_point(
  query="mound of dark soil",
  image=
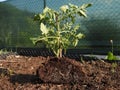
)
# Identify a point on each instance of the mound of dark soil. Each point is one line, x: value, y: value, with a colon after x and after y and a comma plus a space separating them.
x: 19, y: 73
x: 61, y: 71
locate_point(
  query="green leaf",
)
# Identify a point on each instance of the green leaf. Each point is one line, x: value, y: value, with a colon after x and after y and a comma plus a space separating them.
x: 115, y: 58
x: 43, y: 29
x: 46, y: 10
x: 73, y: 6
x: 81, y: 12
x: 64, y: 8
x: 36, y: 17
x: 54, y: 17
x: 41, y: 16
x: 76, y: 27
x: 75, y: 42
x: 110, y: 56
x: 64, y: 31
x: 86, y: 5
x: 80, y: 35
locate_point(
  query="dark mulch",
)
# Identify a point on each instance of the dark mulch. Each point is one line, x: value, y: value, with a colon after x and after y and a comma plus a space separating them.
x: 19, y: 73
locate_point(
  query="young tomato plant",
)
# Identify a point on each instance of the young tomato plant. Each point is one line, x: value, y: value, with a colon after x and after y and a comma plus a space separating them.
x: 59, y: 29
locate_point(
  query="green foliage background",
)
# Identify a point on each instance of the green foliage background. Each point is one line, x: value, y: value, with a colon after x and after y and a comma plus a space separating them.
x: 16, y: 27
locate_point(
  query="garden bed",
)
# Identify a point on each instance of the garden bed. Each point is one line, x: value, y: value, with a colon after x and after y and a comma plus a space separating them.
x: 19, y: 73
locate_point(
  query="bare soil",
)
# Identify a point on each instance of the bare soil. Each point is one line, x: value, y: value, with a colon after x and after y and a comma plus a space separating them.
x: 19, y: 73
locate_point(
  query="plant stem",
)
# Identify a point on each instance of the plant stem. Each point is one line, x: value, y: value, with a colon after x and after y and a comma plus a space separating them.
x: 59, y: 52
x: 112, y: 47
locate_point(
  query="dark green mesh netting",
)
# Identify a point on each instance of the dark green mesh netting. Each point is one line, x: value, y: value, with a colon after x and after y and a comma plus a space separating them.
x: 17, y: 25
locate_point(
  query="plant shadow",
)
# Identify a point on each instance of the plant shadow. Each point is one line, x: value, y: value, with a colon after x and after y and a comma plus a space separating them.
x: 24, y: 78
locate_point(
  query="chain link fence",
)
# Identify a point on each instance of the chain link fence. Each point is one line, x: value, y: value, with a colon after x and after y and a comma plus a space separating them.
x: 101, y: 26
